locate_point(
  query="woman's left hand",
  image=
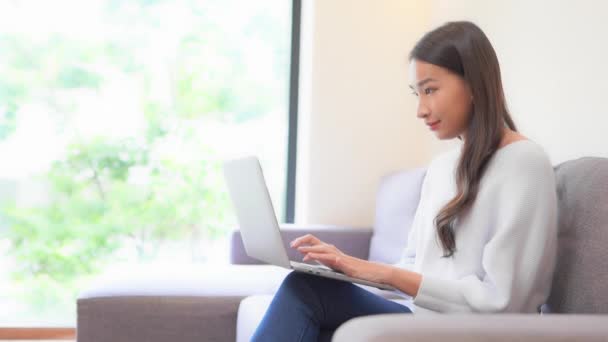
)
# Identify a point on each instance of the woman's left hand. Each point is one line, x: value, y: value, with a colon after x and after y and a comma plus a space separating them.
x: 330, y: 256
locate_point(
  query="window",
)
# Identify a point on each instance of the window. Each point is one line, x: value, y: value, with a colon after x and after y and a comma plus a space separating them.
x: 115, y: 117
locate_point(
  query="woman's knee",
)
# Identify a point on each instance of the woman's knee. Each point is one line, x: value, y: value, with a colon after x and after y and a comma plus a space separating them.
x: 296, y: 279
x: 300, y: 280
x: 296, y: 286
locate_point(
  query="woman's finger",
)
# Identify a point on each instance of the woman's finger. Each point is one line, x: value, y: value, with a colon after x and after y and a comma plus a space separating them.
x: 330, y: 259
x: 315, y: 248
x: 308, y: 239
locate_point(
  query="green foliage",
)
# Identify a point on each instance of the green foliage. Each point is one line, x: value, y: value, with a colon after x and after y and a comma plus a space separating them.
x: 117, y: 198
x: 60, y: 241
x: 98, y: 208
x: 7, y: 123
x: 77, y: 77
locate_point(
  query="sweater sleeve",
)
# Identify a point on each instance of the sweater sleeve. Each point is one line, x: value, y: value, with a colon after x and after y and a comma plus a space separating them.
x: 520, y: 250
x: 408, y: 257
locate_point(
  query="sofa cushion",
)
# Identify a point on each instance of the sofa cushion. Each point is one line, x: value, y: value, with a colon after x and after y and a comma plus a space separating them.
x: 191, y: 280
x: 474, y: 328
x: 396, y: 203
x: 580, y: 282
x: 251, y: 311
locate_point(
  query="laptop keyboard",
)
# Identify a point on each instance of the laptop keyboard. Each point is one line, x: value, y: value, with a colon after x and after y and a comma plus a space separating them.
x: 316, y: 267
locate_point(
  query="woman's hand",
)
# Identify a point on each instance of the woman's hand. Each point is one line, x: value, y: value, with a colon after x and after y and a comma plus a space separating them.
x: 332, y: 257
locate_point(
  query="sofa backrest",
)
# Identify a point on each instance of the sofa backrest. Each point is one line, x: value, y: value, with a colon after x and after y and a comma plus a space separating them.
x: 580, y: 281
x: 396, y: 203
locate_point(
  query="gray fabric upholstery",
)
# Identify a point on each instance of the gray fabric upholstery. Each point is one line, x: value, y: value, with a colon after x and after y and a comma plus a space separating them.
x: 157, y: 319
x: 351, y: 240
x: 580, y: 283
x: 396, y: 203
x: 180, y: 304
x: 474, y: 328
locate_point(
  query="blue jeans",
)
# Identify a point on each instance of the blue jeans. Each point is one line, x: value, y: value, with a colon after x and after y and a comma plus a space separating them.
x: 310, y: 308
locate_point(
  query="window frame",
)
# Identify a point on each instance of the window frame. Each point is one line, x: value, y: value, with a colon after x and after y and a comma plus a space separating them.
x: 294, y: 76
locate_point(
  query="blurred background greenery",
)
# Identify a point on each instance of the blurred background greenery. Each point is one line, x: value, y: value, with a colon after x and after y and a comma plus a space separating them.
x: 114, y: 120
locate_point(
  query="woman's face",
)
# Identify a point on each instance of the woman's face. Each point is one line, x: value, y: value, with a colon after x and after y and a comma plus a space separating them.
x: 444, y: 99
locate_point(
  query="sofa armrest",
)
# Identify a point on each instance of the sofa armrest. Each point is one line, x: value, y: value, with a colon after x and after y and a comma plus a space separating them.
x: 460, y: 328
x: 350, y: 240
x: 170, y: 302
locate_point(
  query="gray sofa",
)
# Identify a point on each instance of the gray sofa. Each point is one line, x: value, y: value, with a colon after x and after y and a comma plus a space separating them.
x: 225, y: 303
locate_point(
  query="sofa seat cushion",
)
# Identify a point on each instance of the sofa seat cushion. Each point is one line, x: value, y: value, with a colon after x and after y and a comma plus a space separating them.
x: 251, y: 311
x: 191, y: 280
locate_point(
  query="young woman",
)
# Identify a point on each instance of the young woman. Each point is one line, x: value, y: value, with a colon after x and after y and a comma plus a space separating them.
x: 484, y: 234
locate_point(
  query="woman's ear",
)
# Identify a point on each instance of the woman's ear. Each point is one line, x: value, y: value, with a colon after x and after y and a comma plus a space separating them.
x: 469, y: 90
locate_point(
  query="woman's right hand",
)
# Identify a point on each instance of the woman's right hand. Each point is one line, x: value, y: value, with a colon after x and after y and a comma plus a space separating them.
x: 315, y: 249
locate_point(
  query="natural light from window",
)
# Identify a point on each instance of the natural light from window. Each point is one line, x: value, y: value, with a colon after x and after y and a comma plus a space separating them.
x: 115, y: 117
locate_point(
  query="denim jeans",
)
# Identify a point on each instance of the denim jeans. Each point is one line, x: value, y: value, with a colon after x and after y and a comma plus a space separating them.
x: 310, y: 308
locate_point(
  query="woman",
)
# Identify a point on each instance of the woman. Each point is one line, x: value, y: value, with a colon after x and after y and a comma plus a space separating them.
x: 484, y: 235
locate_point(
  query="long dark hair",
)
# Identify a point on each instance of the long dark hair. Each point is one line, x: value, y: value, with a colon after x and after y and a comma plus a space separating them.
x: 464, y: 49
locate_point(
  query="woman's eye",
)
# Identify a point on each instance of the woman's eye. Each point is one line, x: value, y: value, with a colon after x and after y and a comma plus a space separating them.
x: 429, y: 91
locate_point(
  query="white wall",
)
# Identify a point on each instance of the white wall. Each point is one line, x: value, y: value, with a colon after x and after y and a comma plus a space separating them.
x: 358, y: 117
x: 554, y: 60
x: 357, y: 114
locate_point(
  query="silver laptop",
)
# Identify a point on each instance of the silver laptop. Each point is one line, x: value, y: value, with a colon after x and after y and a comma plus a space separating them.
x: 258, y: 223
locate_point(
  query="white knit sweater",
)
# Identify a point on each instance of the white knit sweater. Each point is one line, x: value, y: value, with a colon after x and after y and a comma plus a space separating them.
x: 505, y: 244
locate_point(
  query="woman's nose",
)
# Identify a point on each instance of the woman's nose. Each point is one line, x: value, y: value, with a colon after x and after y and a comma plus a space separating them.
x: 422, y: 110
